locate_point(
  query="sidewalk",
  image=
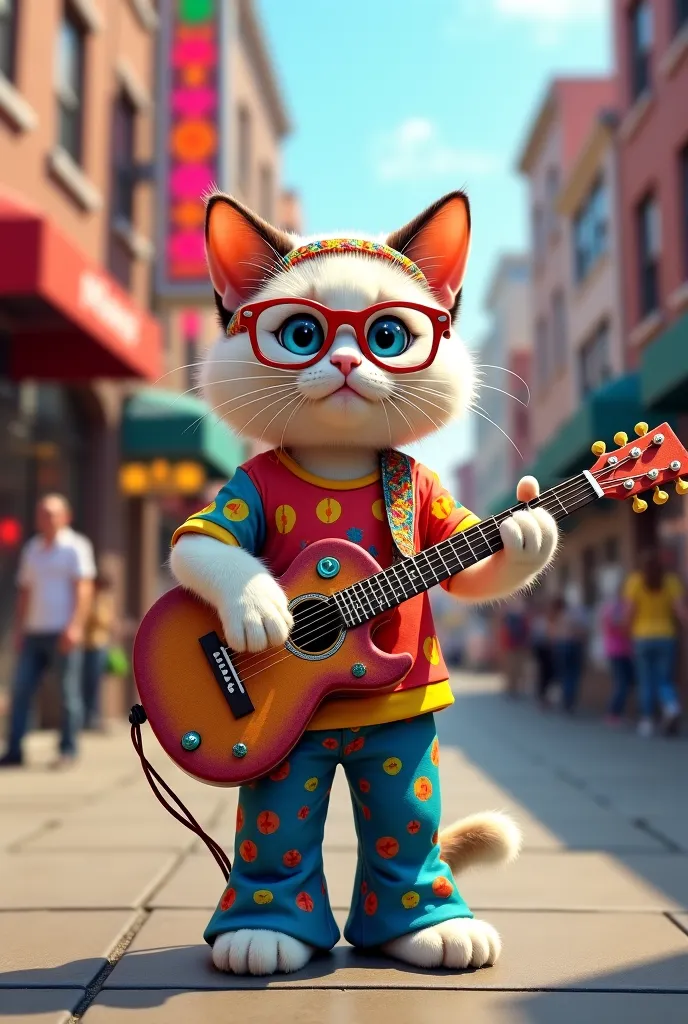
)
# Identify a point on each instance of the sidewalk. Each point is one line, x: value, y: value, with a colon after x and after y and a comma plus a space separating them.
x: 103, y: 896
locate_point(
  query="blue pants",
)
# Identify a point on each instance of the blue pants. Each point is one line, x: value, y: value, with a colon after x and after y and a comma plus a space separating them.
x: 277, y: 878
x: 38, y: 653
x: 95, y: 661
x: 568, y: 661
x: 655, y: 661
x: 623, y: 677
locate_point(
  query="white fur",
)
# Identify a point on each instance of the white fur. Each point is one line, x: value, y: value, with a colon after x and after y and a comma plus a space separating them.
x: 259, y: 951
x: 289, y: 408
x: 457, y: 944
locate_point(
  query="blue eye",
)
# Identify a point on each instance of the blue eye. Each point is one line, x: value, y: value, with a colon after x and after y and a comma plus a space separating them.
x: 388, y: 336
x: 301, y: 334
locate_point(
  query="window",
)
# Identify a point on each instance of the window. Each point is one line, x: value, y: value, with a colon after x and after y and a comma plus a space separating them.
x: 558, y: 331
x: 590, y: 231
x: 244, y: 149
x: 649, y: 251
x: 123, y: 157
x: 593, y: 361
x: 71, y: 46
x: 680, y: 14
x: 266, y: 192
x: 538, y: 233
x: 8, y: 32
x: 640, y: 32
x: 683, y: 184
x: 552, y: 190
x: 541, y: 353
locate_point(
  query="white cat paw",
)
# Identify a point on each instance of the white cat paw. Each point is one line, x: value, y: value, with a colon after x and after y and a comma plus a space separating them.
x: 259, y: 951
x: 530, y: 539
x: 257, y: 616
x: 457, y: 944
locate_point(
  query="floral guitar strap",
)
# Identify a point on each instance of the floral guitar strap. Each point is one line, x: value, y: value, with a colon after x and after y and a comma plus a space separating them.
x: 397, y: 486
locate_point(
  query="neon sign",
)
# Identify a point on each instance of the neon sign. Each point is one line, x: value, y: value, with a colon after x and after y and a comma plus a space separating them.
x: 190, y: 146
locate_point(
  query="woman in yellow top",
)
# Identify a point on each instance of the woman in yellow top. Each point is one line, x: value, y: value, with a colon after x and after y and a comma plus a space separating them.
x: 655, y: 601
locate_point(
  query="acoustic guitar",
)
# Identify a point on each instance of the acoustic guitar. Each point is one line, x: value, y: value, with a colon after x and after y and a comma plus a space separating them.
x: 228, y: 718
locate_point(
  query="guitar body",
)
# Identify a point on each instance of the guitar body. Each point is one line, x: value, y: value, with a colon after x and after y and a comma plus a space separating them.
x: 185, y: 691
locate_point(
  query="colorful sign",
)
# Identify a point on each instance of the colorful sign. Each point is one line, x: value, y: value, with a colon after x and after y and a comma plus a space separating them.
x: 190, y: 145
x: 161, y: 477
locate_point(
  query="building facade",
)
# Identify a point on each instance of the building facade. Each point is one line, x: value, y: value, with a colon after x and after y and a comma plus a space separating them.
x: 503, y: 446
x: 221, y: 122
x: 76, y: 145
x: 651, y: 39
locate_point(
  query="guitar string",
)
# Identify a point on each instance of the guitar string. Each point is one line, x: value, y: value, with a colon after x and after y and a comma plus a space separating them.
x: 489, y: 532
x: 241, y: 659
x: 266, y: 659
x: 334, y: 616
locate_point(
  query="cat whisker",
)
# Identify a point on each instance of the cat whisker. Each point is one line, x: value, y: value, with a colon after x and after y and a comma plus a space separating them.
x: 414, y: 405
x: 443, y: 408
x: 396, y: 408
x: 491, y: 366
x: 268, y: 406
x: 234, y: 380
x: 223, y: 405
x: 489, y: 387
x: 289, y: 418
x: 483, y: 415
x: 389, y: 425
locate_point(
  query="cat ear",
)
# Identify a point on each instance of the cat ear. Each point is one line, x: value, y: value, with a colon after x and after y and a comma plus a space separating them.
x: 438, y: 241
x: 242, y: 249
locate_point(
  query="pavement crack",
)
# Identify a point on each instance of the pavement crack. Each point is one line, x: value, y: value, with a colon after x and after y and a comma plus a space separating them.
x: 113, y: 958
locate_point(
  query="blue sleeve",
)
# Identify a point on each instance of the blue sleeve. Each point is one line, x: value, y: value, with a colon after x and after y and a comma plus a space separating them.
x: 236, y: 516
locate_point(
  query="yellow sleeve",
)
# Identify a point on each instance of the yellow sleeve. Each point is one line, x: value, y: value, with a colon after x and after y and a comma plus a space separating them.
x: 631, y: 587
x: 675, y: 587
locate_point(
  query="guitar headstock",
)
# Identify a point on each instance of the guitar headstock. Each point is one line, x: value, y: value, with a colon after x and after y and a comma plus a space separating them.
x: 655, y: 458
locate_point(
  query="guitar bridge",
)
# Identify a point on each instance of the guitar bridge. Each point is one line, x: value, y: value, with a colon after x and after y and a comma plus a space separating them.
x: 226, y: 676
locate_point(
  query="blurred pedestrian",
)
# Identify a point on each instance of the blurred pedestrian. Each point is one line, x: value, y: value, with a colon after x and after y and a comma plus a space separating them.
x: 97, y: 639
x: 55, y: 586
x: 541, y: 648
x: 616, y: 642
x: 514, y: 645
x: 656, y: 607
x: 568, y: 632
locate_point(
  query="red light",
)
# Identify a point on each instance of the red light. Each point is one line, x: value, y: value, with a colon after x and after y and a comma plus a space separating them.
x: 10, y: 532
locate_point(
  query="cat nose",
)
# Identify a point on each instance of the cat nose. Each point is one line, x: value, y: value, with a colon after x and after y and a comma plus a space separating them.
x: 345, y: 361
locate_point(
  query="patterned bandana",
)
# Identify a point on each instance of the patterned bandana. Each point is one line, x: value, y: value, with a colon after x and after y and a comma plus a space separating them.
x: 356, y: 245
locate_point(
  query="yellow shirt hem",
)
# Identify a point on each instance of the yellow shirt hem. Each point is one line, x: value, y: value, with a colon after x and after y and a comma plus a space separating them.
x: 387, y: 707
x: 208, y: 529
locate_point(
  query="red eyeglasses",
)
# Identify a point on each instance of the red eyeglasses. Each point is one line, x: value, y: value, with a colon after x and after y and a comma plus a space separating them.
x: 401, y: 337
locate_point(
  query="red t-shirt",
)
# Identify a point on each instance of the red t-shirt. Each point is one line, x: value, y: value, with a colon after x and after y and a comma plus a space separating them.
x: 274, y: 509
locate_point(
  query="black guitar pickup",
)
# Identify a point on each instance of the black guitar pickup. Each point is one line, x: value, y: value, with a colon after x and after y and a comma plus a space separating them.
x: 233, y: 689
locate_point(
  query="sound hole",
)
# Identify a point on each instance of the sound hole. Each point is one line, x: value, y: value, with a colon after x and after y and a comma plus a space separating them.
x: 315, y: 626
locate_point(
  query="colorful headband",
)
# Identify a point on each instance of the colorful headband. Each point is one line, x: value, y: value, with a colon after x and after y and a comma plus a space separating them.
x: 328, y: 245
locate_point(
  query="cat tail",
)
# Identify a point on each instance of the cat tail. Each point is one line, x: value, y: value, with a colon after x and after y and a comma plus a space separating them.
x: 490, y: 837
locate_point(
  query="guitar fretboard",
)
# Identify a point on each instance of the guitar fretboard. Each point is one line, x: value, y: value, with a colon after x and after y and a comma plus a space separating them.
x: 412, y: 576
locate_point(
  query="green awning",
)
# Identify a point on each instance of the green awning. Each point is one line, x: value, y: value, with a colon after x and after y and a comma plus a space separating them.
x: 664, y: 370
x: 615, y: 406
x: 167, y: 425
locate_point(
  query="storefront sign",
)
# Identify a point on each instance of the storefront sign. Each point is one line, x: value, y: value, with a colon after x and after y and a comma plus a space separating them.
x: 137, y: 479
x: 97, y: 296
x: 191, y: 137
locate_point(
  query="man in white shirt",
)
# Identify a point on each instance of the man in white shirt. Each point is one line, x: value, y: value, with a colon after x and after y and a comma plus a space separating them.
x: 55, y: 583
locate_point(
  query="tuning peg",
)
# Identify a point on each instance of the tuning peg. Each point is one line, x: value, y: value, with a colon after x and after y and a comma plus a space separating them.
x: 599, y: 448
x: 621, y: 438
x: 639, y: 505
x: 681, y: 486
x: 641, y: 428
x: 660, y: 497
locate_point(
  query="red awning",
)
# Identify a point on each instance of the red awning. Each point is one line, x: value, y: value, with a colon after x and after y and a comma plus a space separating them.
x: 66, y: 317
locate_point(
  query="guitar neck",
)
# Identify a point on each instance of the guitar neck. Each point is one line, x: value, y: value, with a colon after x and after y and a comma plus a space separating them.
x: 412, y: 576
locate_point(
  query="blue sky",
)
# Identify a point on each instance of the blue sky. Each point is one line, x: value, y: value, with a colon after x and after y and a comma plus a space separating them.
x: 395, y: 103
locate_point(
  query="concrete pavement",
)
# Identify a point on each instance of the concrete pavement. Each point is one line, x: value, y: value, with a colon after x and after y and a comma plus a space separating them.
x: 103, y: 897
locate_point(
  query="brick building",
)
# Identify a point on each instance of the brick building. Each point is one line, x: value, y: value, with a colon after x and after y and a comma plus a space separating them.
x: 76, y: 233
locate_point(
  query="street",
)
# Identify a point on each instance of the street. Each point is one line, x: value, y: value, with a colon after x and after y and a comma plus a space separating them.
x: 104, y: 897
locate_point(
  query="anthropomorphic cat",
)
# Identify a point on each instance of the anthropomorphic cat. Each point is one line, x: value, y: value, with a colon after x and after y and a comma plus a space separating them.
x: 331, y: 390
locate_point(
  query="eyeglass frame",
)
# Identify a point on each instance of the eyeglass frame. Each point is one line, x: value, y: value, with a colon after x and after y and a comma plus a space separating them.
x: 246, y: 317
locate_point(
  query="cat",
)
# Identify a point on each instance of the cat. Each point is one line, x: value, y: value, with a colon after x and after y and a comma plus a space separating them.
x: 328, y: 413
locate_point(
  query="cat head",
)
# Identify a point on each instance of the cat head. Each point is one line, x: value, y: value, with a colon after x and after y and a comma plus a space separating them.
x: 347, y: 396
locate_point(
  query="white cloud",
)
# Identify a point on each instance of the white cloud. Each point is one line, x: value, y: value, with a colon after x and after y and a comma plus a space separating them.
x: 415, y: 151
x: 549, y: 19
